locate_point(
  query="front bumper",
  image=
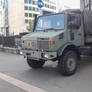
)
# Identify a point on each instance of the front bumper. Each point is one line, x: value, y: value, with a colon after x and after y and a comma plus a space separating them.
x: 37, y: 55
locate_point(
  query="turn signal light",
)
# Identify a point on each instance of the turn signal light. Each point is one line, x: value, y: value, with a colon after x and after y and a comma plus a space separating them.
x: 52, y: 42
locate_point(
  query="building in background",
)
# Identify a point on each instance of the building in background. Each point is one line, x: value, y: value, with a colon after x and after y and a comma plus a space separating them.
x: 12, y: 17
x: 15, y: 14
x: 2, y: 18
x: 5, y: 6
x: 85, y: 4
x: 31, y: 8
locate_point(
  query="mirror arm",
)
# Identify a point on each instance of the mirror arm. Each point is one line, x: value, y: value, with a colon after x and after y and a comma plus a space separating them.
x: 35, y: 21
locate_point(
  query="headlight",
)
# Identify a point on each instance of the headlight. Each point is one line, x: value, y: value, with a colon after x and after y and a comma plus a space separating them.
x: 46, y: 56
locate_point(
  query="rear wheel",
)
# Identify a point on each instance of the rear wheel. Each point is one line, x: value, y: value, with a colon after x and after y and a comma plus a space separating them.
x: 35, y: 64
x: 68, y: 63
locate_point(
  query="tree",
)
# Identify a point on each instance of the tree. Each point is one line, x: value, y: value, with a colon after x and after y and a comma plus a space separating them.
x: 30, y: 25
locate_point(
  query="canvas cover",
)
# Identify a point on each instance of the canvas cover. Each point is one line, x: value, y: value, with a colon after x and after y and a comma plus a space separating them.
x: 87, y: 16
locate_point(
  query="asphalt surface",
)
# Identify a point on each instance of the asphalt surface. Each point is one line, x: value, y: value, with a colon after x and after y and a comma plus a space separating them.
x: 7, y: 87
x: 48, y: 78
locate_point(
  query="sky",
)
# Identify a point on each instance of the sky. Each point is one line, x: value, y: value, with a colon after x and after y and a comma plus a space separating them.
x: 64, y: 4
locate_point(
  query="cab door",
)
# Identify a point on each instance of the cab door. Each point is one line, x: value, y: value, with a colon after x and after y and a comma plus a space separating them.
x: 75, y: 32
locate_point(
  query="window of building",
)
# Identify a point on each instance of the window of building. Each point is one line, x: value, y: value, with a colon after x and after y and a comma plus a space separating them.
x: 30, y: 8
x: 26, y: 14
x: 33, y: 8
x: 26, y: 21
x: 48, y: 0
x: 50, y: 7
x: 34, y: 2
x: 37, y: 9
x: 30, y: 15
x: 55, y: 8
x: 26, y: 7
x: 25, y: 1
x: 45, y: 5
x: 33, y: 15
x: 30, y: 1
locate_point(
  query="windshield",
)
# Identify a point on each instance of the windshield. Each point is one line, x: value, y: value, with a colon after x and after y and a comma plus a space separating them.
x: 51, y: 22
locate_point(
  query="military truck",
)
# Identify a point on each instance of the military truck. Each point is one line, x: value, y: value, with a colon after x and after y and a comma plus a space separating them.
x: 61, y: 37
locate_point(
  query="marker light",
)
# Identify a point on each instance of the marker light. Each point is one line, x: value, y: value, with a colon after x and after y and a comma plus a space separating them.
x: 52, y: 42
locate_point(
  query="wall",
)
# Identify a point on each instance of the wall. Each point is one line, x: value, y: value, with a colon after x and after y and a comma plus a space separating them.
x: 16, y: 16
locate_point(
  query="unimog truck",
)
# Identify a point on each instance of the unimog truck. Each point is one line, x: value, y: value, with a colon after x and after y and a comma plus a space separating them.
x: 61, y: 37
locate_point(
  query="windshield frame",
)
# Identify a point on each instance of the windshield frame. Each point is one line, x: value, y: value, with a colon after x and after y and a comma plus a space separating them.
x: 51, y: 15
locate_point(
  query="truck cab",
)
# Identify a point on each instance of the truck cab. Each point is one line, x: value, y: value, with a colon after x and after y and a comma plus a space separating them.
x: 56, y: 37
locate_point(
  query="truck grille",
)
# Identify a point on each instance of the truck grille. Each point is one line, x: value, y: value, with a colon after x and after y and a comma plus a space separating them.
x: 33, y: 44
x: 43, y: 45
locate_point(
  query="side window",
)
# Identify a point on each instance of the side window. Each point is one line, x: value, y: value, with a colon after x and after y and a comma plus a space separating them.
x: 74, y: 21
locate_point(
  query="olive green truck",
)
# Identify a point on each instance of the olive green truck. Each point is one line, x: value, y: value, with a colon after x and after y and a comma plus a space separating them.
x: 61, y: 37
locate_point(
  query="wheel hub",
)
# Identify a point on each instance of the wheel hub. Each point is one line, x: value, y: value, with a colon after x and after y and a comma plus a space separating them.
x: 71, y: 64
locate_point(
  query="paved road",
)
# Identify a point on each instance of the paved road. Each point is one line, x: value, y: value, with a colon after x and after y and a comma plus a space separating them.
x: 46, y: 78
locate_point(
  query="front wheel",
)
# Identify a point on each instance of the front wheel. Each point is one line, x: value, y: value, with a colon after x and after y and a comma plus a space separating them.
x: 68, y: 63
x: 35, y: 64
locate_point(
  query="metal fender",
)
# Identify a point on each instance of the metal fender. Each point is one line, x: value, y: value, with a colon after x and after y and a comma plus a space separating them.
x: 60, y: 51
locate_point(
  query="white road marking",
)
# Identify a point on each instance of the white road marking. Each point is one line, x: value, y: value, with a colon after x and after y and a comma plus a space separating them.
x: 20, y: 84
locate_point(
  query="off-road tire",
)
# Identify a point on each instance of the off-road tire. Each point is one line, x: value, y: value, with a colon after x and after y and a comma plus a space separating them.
x: 35, y: 64
x: 68, y: 56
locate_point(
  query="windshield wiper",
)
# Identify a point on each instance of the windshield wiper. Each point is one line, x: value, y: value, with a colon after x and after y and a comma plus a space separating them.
x: 45, y: 30
x: 49, y: 29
